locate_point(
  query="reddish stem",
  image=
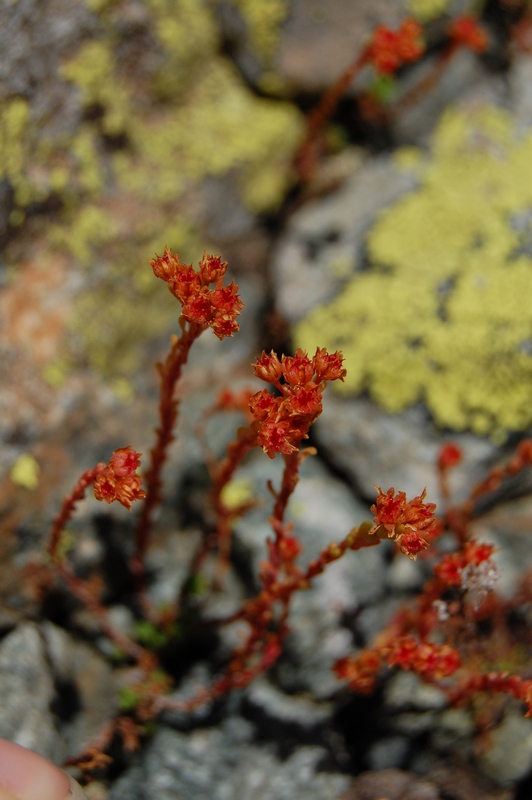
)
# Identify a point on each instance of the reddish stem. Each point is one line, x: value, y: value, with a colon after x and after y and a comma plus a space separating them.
x: 77, y: 586
x: 170, y: 372
x: 306, y: 156
x: 67, y: 510
x: 222, y: 474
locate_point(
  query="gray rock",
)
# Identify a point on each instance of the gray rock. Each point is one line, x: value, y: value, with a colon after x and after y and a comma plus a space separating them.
x: 87, y: 687
x: 462, y: 77
x: 320, y: 40
x: 455, y: 729
x: 323, y: 245
x: 221, y: 764
x: 388, y: 752
x: 508, y: 757
x: 292, y: 710
x: 391, y: 784
x: 49, y: 30
x: 399, y: 450
x: 27, y: 692
x: 407, y: 691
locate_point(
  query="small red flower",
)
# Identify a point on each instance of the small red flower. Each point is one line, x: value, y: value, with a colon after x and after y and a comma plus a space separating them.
x: 407, y: 522
x: 216, y: 308
x: 276, y: 436
x: 328, y: 366
x: 212, y: 268
x: 124, y: 461
x: 268, y: 368
x: 450, y: 455
x: 304, y: 402
x: 477, y: 552
x: 466, y: 31
x: 449, y: 570
x: 391, y: 49
x: 198, y: 308
x: 289, y: 549
x: 524, y: 451
x: 298, y: 369
x: 119, y: 480
x: 263, y: 404
x: 410, y: 46
x: 185, y: 284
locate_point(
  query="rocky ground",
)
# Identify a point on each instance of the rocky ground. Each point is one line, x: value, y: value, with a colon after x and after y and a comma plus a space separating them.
x: 77, y: 381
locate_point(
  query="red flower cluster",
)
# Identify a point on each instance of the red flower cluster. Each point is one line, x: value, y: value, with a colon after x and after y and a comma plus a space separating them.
x: 282, y: 422
x: 119, y: 481
x: 216, y: 308
x: 390, y: 49
x: 425, y: 658
x: 466, y: 31
x: 406, y: 521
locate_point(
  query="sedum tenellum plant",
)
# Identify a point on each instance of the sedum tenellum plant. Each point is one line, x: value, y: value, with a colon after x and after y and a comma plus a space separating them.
x: 426, y: 638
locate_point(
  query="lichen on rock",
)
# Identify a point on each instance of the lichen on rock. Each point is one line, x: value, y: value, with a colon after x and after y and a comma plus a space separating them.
x: 441, y: 316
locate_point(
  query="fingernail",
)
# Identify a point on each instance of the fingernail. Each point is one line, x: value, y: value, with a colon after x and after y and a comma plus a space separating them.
x: 75, y: 791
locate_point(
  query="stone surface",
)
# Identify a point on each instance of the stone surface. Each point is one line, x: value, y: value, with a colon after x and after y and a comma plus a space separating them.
x: 320, y: 40
x: 323, y: 511
x: 55, y: 691
x: 27, y: 692
x: 392, y: 784
x: 49, y: 30
x: 223, y: 763
x: 508, y: 756
x: 323, y: 245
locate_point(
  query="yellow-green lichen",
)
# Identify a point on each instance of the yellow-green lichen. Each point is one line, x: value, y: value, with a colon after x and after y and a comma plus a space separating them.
x: 16, y: 142
x: 26, y: 471
x: 425, y: 10
x: 222, y: 128
x: 264, y: 19
x: 129, y: 179
x: 14, y: 121
x: 88, y: 228
x: 208, y: 122
x: 442, y: 316
x: 94, y: 73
